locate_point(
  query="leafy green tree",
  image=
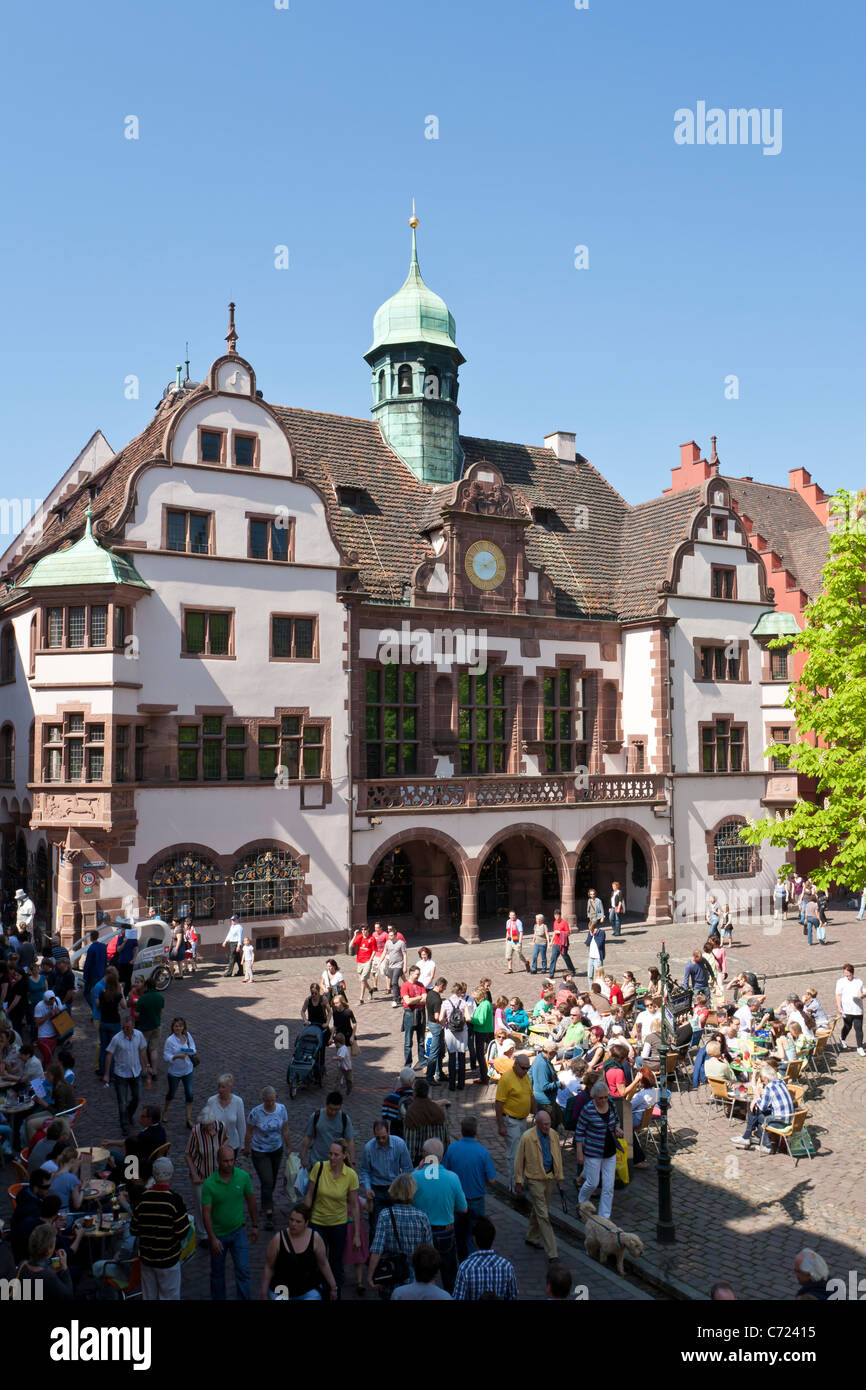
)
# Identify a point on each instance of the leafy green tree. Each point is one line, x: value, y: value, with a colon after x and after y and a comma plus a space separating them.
x: 829, y: 704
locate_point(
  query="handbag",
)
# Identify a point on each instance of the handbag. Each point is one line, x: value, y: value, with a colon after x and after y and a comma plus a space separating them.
x: 355, y: 1047
x: 622, y: 1160
x: 822, y: 933
x: 609, y: 1145
x: 392, y: 1270
x: 195, y: 1059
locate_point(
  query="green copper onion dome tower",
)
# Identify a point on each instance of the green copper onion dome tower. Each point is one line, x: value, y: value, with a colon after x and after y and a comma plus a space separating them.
x: 414, y: 361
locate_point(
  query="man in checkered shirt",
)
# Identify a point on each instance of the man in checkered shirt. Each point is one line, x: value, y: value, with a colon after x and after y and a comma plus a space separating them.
x: 485, y: 1272
x: 774, y: 1104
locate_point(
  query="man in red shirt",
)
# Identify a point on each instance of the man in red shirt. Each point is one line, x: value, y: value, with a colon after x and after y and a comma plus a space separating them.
x: 414, y: 998
x: 560, y: 943
x: 380, y: 938
x: 362, y: 943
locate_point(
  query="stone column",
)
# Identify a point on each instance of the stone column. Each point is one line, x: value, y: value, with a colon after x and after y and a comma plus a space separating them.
x: 566, y: 891
x: 469, y: 918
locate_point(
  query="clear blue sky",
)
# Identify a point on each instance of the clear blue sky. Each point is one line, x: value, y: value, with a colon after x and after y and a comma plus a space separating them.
x: 306, y: 127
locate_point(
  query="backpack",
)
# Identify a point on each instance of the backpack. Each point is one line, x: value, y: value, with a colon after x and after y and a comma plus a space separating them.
x: 456, y: 1020
x: 317, y: 1114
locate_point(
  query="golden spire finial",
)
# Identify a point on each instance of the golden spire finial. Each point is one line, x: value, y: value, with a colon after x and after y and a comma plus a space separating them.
x: 413, y: 220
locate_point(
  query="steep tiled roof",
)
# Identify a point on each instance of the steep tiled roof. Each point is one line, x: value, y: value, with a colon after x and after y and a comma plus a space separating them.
x: 651, y: 532
x: 605, y: 558
x: 789, y: 527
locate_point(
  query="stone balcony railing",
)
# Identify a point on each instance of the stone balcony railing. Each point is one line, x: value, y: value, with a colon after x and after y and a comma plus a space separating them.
x: 494, y: 793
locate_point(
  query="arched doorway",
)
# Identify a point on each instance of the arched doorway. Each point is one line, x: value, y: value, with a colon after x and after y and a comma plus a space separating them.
x: 417, y: 882
x: 614, y: 854
x: 520, y: 873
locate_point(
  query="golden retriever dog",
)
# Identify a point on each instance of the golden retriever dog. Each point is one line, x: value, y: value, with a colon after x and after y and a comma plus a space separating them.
x: 603, y: 1239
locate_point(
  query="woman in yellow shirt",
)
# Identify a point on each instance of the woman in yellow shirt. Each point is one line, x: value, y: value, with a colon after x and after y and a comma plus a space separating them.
x: 332, y: 1185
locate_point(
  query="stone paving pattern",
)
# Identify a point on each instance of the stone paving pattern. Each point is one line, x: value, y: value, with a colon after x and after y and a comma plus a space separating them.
x: 738, y: 1215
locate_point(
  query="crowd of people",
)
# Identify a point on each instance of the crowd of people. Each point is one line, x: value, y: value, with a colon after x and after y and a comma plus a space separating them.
x: 401, y: 1214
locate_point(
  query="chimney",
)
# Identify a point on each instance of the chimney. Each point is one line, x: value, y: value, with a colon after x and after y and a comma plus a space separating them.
x: 563, y: 445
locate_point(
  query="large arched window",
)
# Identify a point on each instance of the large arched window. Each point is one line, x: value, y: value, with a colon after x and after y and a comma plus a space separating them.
x: 186, y: 885
x: 267, y: 883
x: 731, y: 858
x: 7, y: 753
x: 7, y: 653
x: 404, y: 380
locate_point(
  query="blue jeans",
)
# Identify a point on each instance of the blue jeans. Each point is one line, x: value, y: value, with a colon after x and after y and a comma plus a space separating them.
x: 464, y: 1222
x: 106, y: 1032
x: 234, y: 1244
x: 809, y: 925
x: 756, y: 1121
x: 698, y: 1069
x: 614, y: 919
x: 334, y: 1238
x: 437, y: 1051
x: 555, y: 953
x: 127, y: 1089
x: 862, y: 907
x: 175, y: 1082
x: 413, y: 1027
x: 539, y: 952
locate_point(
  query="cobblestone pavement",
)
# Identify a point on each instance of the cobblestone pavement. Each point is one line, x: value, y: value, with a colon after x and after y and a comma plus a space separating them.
x: 738, y: 1215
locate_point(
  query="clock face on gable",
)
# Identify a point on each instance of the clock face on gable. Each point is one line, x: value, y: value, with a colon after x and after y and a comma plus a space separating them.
x: 485, y: 565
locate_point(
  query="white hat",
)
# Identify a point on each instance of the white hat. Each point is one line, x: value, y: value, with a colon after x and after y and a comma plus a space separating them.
x: 508, y: 1045
x: 19, y: 893
x: 48, y: 996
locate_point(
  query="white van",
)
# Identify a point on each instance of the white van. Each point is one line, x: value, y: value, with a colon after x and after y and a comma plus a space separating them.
x: 151, y: 957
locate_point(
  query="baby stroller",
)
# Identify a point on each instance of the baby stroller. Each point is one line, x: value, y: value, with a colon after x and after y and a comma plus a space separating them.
x: 306, y: 1067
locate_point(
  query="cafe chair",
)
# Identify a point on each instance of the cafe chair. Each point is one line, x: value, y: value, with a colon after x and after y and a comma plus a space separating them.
x: 830, y: 1034
x: 73, y: 1114
x: 798, y: 1092
x: 12, y: 1192
x: 646, y: 1128
x: 124, y: 1277
x: 785, y: 1134
x: 816, y: 1056
x: 790, y: 1071
x: 161, y: 1152
x: 20, y: 1171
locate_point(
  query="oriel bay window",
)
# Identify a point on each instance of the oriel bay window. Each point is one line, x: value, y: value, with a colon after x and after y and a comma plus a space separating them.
x: 291, y: 750
x: 391, y: 721
x: 75, y: 625
x: 73, y: 751
x: 779, y: 663
x: 483, y: 723
x: 723, y: 746
x: 207, y: 633
x: 565, y: 743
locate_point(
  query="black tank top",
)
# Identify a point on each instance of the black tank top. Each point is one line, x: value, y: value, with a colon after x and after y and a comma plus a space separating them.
x: 316, y: 1013
x: 109, y: 1007
x: 296, y: 1272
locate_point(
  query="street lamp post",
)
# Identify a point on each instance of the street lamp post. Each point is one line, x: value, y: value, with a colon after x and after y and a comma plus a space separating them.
x: 665, y: 1232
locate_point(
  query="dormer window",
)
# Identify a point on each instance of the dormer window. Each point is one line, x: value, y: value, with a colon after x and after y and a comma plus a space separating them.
x: 244, y: 450
x: 404, y: 380
x: 548, y: 518
x: 211, y: 445
x: 354, y: 499
x: 720, y: 528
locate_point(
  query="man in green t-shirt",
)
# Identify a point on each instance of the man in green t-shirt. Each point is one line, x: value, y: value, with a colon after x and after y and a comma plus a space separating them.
x: 223, y: 1196
x: 148, y: 1013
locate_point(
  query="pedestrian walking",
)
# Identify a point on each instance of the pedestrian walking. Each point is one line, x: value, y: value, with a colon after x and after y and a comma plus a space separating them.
x: 267, y: 1139
x: 561, y: 932
x: 540, y: 943
x: 594, y: 943
x: 514, y: 1102
x: 233, y: 942
x: 161, y: 1224
x: 248, y: 956
x: 617, y: 908
x: 849, y: 1003
x: 178, y: 1053
x: 514, y: 943
x: 595, y: 1139
x: 413, y: 997
x: 224, y: 1196
x: 538, y: 1165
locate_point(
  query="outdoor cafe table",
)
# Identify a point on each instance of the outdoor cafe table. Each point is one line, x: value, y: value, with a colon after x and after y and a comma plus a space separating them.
x: 99, y: 1232
x: 96, y: 1189
x: 94, y: 1153
x: 17, y: 1114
